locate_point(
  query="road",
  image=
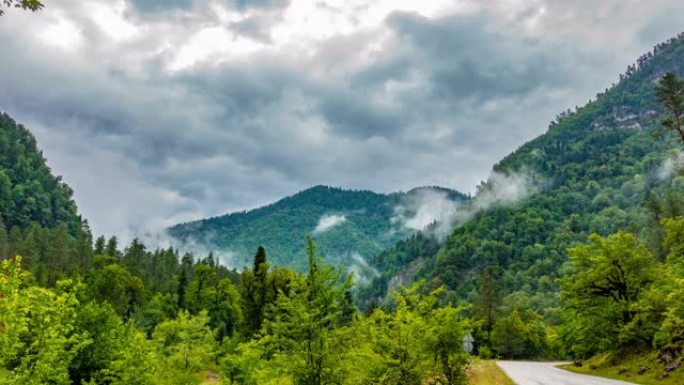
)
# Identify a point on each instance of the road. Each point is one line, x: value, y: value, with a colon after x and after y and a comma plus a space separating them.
x: 546, y: 373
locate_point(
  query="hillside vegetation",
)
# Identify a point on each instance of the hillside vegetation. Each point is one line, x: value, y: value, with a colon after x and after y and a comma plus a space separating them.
x: 348, y: 225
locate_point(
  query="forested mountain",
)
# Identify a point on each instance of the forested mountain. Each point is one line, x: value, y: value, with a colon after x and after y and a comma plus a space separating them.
x: 348, y: 225
x: 38, y: 216
x: 29, y: 193
x: 604, y: 167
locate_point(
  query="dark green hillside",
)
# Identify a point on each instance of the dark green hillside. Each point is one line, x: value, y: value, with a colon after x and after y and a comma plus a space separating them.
x: 29, y: 193
x: 38, y: 216
x: 359, y: 223
x: 602, y: 166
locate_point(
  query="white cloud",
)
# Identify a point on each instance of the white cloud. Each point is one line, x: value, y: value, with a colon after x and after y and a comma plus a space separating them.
x: 62, y: 33
x: 670, y: 166
x: 433, y: 212
x: 427, y: 207
x: 327, y: 222
x: 361, y: 270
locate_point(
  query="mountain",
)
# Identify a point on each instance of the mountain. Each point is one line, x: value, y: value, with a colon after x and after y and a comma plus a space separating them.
x: 602, y: 168
x: 29, y: 192
x: 347, y: 225
x: 39, y: 219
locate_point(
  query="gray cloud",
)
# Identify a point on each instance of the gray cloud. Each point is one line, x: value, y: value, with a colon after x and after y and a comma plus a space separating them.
x: 147, y: 7
x: 414, y: 100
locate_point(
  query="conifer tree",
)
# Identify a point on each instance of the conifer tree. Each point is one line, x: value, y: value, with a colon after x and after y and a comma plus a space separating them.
x: 99, y: 247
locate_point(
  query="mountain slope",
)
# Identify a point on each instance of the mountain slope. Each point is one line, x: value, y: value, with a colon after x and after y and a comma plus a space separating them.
x: 602, y: 168
x: 348, y: 225
x: 29, y: 193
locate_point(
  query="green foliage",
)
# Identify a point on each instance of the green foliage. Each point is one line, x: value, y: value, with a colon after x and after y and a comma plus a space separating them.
x: 670, y: 92
x: 302, y: 326
x: 29, y: 193
x: 186, y: 346
x: 611, y: 275
x: 38, y: 334
x: 29, y: 5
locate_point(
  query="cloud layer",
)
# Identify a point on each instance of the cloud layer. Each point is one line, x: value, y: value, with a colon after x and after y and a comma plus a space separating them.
x: 160, y: 112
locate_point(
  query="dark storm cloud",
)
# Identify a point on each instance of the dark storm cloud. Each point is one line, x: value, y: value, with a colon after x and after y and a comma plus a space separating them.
x: 413, y: 101
x: 466, y: 57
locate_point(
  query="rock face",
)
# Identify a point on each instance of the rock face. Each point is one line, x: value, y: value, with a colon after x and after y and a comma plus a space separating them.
x: 624, y: 117
x: 668, y: 357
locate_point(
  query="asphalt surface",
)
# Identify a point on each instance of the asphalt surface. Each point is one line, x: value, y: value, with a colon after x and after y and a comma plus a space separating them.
x: 546, y: 373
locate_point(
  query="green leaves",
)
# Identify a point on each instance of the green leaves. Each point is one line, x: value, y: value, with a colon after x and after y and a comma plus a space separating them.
x: 186, y: 343
x: 604, y: 295
x: 38, y: 338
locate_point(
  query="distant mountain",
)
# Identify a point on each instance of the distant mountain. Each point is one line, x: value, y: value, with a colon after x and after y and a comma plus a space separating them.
x: 349, y: 226
x: 603, y: 169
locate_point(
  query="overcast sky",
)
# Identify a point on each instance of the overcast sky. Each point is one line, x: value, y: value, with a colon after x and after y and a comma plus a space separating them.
x: 157, y: 112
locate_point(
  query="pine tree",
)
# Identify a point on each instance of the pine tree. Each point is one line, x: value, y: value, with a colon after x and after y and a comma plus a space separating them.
x: 99, y: 248
x: 254, y: 292
x: 112, y: 248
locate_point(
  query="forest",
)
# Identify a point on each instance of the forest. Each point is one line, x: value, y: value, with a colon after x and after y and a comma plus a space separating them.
x: 367, y: 225
x: 589, y: 268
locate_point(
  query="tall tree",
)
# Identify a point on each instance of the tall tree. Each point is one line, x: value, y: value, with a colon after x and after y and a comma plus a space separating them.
x: 253, y: 292
x: 670, y: 92
x: 99, y: 248
x: 610, y: 276
x: 488, y: 299
x: 304, y: 326
x: 112, y: 248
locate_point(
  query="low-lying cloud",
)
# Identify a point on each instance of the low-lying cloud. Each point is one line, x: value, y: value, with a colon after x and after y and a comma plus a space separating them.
x: 327, y: 222
x: 670, y: 166
x: 361, y: 270
x: 427, y: 208
x: 432, y: 212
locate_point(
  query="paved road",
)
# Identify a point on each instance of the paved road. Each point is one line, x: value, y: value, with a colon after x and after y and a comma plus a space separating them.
x: 546, y: 373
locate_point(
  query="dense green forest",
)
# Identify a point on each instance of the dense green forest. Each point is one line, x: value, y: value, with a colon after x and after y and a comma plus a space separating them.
x: 589, y: 263
x: 361, y: 224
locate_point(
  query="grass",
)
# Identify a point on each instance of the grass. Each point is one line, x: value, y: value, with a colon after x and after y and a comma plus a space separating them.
x: 483, y: 372
x: 606, y: 365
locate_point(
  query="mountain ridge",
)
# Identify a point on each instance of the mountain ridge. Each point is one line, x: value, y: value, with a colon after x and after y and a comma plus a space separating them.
x: 603, y: 164
x: 348, y: 225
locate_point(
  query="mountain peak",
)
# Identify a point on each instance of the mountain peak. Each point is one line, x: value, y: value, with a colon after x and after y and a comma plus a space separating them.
x: 347, y: 223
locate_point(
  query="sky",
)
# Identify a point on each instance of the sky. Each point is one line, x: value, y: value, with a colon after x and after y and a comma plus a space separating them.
x: 159, y: 112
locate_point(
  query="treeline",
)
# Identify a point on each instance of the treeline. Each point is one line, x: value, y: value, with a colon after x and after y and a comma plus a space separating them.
x: 141, y: 317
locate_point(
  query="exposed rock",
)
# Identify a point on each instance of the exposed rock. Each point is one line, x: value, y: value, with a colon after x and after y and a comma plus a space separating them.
x: 622, y: 117
x: 673, y: 365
